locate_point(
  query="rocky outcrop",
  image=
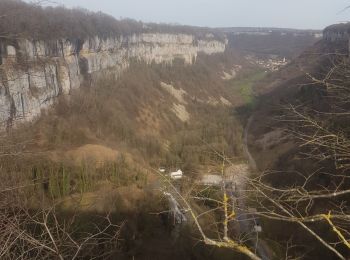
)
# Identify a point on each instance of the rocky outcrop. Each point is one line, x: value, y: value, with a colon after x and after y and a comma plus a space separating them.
x: 337, y: 33
x: 34, y: 73
x: 337, y: 38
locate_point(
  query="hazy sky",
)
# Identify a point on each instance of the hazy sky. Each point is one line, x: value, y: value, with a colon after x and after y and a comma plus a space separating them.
x: 312, y: 14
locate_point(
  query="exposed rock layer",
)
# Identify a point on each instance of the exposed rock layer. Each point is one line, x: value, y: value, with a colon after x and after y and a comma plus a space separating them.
x: 337, y: 36
x: 34, y: 73
x: 337, y: 32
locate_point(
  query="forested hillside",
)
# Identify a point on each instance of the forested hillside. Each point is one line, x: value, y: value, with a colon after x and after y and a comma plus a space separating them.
x: 300, y: 132
x: 128, y: 140
x: 36, y: 22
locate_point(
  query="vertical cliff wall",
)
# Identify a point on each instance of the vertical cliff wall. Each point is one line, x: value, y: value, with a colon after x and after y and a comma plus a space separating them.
x: 337, y: 36
x: 337, y: 33
x: 34, y: 73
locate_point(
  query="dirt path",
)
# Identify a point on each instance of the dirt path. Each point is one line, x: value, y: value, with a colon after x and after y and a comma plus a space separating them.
x: 246, y: 152
x: 238, y: 174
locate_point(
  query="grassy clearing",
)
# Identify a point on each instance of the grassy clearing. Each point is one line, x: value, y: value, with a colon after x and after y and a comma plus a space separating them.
x: 244, y: 84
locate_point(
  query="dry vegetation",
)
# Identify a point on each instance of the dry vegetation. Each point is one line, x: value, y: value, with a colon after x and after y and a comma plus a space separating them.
x: 302, y: 200
x: 91, y: 157
x: 305, y: 123
x: 93, y: 149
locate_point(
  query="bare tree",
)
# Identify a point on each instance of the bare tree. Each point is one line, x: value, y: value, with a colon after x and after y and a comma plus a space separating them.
x: 316, y: 201
x: 45, y: 234
x: 227, y: 209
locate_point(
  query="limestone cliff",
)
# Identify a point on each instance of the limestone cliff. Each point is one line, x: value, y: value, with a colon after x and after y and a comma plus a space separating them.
x: 34, y: 73
x: 337, y: 33
x: 337, y: 37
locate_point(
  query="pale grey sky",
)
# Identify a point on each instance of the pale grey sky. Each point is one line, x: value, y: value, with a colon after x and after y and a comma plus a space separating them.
x: 310, y: 14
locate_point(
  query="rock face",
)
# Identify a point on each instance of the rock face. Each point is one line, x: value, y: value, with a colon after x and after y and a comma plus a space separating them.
x: 338, y: 36
x: 34, y: 73
x: 337, y: 33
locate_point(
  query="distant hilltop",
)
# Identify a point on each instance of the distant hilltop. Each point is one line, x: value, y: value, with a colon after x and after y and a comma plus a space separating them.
x: 269, y: 31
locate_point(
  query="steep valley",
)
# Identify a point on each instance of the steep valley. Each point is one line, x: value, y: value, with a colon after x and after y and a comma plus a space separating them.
x: 99, y: 148
x: 299, y: 108
x: 98, y: 116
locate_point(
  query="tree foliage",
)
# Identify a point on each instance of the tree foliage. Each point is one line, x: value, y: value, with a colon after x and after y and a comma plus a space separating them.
x: 34, y: 21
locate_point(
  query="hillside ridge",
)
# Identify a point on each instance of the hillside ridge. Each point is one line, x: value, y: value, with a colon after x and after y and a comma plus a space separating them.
x: 34, y: 73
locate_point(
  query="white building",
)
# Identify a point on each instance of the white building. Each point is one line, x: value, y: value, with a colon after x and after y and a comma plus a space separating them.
x: 176, y: 175
x: 211, y: 180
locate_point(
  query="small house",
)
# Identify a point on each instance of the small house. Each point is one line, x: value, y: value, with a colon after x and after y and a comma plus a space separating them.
x: 176, y: 175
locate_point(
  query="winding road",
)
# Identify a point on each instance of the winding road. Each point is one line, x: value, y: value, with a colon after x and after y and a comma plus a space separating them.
x: 246, y: 221
x: 236, y: 175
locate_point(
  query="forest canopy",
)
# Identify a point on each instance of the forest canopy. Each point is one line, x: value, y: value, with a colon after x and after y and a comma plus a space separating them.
x: 37, y: 22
